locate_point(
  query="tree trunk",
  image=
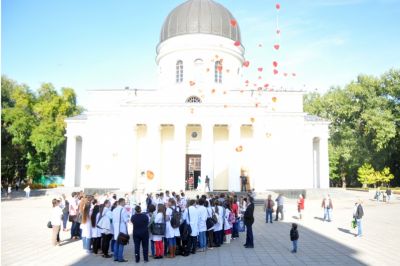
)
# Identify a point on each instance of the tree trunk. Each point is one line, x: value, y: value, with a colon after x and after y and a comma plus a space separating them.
x: 343, y: 176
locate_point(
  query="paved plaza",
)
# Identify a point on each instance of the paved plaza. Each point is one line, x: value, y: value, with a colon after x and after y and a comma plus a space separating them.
x: 26, y: 239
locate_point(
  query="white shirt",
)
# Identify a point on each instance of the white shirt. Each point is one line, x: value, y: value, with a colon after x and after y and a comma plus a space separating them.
x: 218, y: 226
x: 202, y: 211
x: 56, y: 214
x: 193, y: 220
x: 227, y: 225
x: 120, y: 225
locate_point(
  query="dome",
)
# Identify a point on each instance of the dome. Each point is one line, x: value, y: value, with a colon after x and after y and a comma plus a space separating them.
x: 200, y: 16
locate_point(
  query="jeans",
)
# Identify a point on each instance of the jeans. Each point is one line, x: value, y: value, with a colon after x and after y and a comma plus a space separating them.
x: 268, y: 215
x: 202, y: 239
x: 65, y: 220
x: 27, y: 194
x: 152, y: 248
x: 359, y: 227
x: 73, y: 229
x: 144, y: 240
x: 235, y: 229
x: 118, y: 251
x: 327, y: 214
x: 171, y: 241
x: 86, y: 243
x: 249, y: 235
x: 113, y: 244
x: 294, y: 242
x: 244, y: 187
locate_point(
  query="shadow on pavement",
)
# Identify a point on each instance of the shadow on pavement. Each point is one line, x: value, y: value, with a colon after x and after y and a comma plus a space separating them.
x: 347, y: 231
x: 318, y: 218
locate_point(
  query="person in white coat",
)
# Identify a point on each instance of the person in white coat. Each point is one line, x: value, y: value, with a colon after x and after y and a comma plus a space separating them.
x: 171, y: 233
x: 96, y: 233
x: 120, y: 219
x: 191, y: 217
x: 104, y: 226
x: 210, y: 231
x: 227, y: 223
x: 158, y: 239
x: 55, y: 220
x: 218, y: 228
x: 202, y: 212
x: 86, y: 225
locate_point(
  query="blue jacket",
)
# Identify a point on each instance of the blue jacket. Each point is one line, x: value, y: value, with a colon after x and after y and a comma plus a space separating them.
x: 140, y: 224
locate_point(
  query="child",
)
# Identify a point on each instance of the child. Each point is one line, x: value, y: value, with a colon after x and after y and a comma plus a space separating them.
x: 294, y: 236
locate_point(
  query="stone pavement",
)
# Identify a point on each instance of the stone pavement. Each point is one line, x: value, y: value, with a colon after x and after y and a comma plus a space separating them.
x: 26, y: 239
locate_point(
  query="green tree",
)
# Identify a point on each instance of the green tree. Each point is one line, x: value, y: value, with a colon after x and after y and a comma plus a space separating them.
x: 384, y: 176
x: 367, y: 175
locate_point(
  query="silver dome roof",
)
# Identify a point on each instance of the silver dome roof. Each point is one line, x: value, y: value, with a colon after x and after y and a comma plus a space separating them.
x: 200, y: 16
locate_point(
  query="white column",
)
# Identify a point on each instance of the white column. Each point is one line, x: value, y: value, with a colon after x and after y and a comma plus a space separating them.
x: 153, y: 155
x: 324, y: 163
x: 180, y: 157
x: 234, y: 162
x: 207, y: 153
x: 258, y: 167
x: 69, y: 180
x: 129, y: 165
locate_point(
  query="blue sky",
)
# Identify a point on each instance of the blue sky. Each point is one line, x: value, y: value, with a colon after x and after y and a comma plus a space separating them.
x: 103, y: 44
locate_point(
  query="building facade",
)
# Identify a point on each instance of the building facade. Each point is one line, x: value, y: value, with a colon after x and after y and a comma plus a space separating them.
x: 200, y: 121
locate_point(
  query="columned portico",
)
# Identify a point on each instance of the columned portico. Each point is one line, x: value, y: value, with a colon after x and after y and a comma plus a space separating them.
x: 234, y: 164
x: 207, y: 153
x: 178, y: 182
x: 153, y: 154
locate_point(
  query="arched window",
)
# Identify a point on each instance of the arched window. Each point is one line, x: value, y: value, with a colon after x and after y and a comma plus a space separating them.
x: 179, y: 71
x: 218, y: 72
x: 193, y: 99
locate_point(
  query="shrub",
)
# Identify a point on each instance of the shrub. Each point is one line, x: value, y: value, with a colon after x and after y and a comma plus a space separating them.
x: 52, y: 185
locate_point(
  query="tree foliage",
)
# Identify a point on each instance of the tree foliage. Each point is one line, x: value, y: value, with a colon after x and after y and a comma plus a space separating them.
x: 365, y: 125
x: 33, y: 128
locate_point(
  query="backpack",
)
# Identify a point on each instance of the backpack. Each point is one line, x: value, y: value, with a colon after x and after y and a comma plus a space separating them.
x: 175, y: 218
x: 231, y: 218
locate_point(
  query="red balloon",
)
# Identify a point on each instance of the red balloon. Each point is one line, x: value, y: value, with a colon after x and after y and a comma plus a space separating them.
x: 260, y: 69
x: 247, y: 81
x: 285, y: 74
x: 233, y: 23
x: 246, y: 63
x: 278, y: 6
x: 276, y: 72
x: 276, y: 46
x: 275, y: 64
x: 237, y: 43
x: 266, y: 85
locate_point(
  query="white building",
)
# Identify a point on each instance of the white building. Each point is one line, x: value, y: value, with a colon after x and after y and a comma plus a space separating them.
x: 199, y: 121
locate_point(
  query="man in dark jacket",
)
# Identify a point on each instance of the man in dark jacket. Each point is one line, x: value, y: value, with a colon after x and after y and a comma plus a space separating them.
x: 140, y: 234
x: 294, y: 236
x: 248, y: 222
x: 358, y: 214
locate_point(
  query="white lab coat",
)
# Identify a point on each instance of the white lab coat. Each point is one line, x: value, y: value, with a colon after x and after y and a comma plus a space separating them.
x: 202, y: 211
x: 120, y: 225
x: 218, y: 226
x: 227, y: 225
x: 210, y: 211
x: 171, y: 232
x: 193, y: 220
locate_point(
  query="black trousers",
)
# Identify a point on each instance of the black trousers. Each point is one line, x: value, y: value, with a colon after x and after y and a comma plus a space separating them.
x: 279, y: 210
x: 105, y: 243
x: 144, y: 241
x: 244, y: 187
x: 192, y: 244
x: 96, y: 244
x: 249, y: 235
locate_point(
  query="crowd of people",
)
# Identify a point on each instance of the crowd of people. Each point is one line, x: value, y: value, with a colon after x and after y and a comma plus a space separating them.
x: 164, y: 225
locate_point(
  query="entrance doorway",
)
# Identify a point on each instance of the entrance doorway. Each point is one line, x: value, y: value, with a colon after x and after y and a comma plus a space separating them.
x: 193, y: 171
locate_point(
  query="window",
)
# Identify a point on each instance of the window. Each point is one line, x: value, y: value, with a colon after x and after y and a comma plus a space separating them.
x: 198, y: 62
x: 179, y: 71
x: 218, y: 72
x: 193, y: 99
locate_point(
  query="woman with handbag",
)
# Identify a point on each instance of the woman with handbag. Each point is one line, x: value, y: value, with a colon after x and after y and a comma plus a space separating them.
x: 95, y: 232
x: 191, y: 217
x: 55, y: 222
x: 121, y: 237
x: 140, y: 233
x: 157, y: 235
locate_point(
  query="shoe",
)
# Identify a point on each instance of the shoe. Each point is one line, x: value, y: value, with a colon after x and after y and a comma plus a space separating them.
x: 245, y: 245
x: 249, y: 246
x: 106, y: 256
x: 294, y: 251
x: 123, y: 260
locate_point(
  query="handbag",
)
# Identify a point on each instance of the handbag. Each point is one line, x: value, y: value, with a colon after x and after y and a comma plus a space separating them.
x: 158, y: 229
x: 122, y: 238
x: 241, y: 226
x: 353, y: 223
x: 49, y: 225
x: 210, y: 222
x: 185, y: 229
x: 72, y: 218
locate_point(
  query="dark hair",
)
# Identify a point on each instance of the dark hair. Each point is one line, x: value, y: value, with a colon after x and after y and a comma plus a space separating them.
x: 54, y: 202
x: 151, y: 208
x: 161, y: 209
x: 138, y: 209
x: 114, y: 196
x: 73, y: 194
x: 201, y: 201
x: 96, y: 210
x: 192, y: 202
x: 172, y: 201
x: 216, y: 204
x: 114, y: 205
x: 206, y: 204
x: 121, y: 201
x: 294, y: 225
